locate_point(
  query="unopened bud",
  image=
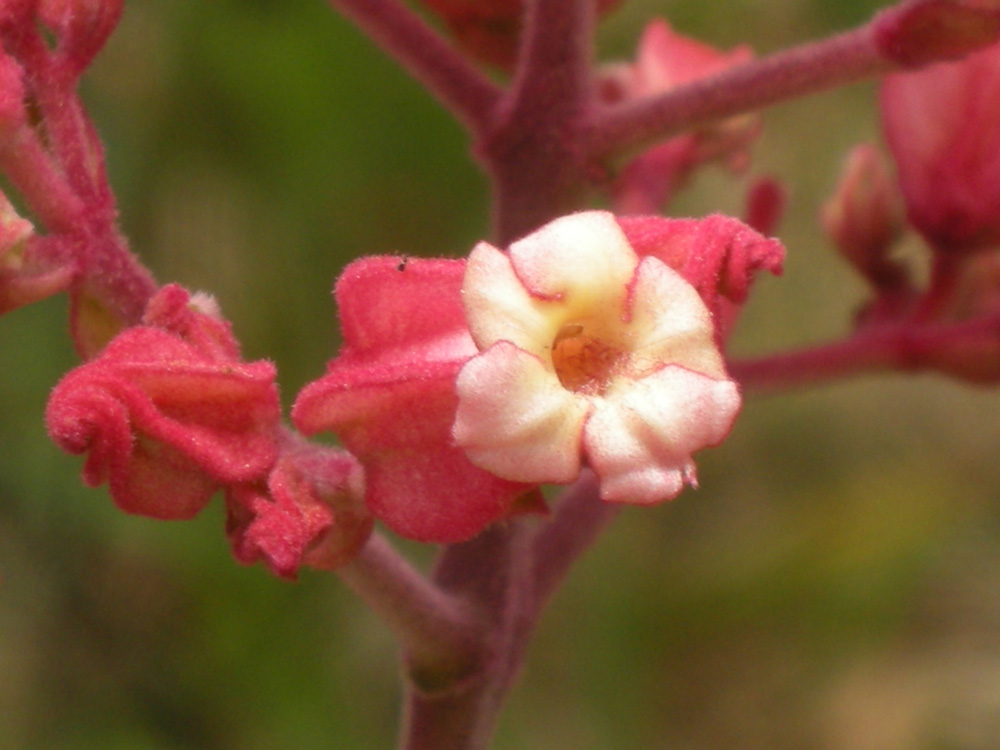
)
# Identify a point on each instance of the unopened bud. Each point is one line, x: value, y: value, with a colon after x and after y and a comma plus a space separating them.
x: 864, y: 217
x: 81, y: 27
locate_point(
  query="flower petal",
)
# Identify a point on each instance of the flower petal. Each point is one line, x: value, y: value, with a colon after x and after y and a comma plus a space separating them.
x: 669, y: 321
x: 640, y: 441
x: 499, y: 308
x: 516, y: 420
x: 584, y: 260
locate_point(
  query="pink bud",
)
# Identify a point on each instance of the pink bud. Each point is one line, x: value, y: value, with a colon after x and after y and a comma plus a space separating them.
x: 943, y: 127
x: 765, y: 204
x: 864, y: 217
x: 165, y: 420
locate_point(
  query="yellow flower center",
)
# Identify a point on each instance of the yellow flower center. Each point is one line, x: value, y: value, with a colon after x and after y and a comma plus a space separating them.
x: 585, y: 364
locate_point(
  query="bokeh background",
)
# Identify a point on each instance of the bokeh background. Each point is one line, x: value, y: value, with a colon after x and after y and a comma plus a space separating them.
x: 831, y: 586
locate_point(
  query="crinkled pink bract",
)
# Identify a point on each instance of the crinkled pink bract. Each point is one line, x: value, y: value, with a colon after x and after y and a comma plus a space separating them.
x: 718, y: 255
x: 167, y: 413
x: 943, y: 126
x: 591, y: 352
x: 390, y: 397
x: 462, y: 386
x: 310, y: 513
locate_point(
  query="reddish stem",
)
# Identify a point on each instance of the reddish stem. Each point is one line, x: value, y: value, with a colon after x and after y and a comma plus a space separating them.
x: 440, y: 632
x: 425, y: 54
x: 905, y: 345
x: 792, y: 73
x: 533, y: 152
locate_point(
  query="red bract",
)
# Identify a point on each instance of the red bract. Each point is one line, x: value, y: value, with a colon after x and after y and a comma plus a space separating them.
x: 167, y: 413
x: 310, y: 513
x: 718, y: 255
x: 390, y: 397
x: 943, y: 126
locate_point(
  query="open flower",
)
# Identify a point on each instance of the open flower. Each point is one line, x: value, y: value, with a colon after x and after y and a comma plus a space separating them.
x: 462, y: 385
x: 589, y: 353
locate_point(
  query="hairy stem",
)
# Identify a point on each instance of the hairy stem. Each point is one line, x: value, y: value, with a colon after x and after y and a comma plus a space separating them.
x: 532, y: 152
x: 906, y: 345
x: 789, y: 74
x: 425, y: 54
x: 440, y: 632
x: 493, y: 570
x: 578, y: 521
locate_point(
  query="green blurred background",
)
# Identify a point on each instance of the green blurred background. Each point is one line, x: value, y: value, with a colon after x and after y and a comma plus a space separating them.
x: 832, y: 585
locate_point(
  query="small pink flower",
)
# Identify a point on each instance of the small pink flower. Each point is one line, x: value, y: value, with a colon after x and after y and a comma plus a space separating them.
x: 167, y: 413
x: 664, y: 61
x: 594, y: 353
x: 390, y: 397
x: 943, y: 126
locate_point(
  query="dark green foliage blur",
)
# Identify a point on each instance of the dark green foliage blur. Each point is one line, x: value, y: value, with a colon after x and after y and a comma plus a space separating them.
x: 833, y: 585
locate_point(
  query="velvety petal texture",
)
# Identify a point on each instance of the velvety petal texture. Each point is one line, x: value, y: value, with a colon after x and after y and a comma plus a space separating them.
x: 167, y: 414
x: 719, y: 255
x: 390, y: 398
x: 593, y: 354
x: 311, y: 511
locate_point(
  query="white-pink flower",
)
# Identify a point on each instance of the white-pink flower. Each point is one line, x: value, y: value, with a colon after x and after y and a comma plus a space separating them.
x: 589, y: 355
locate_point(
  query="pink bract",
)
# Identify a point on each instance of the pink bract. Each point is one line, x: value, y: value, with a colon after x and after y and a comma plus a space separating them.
x: 390, y: 397
x: 311, y: 511
x: 167, y: 418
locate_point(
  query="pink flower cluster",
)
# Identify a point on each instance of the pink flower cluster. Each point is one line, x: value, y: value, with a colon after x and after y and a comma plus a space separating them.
x: 463, y: 385
x: 942, y: 125
x: 168, y: 414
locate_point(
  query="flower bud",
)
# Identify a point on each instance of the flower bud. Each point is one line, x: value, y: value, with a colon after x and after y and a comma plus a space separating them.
x: 864, y: 217
x: 942, y: 125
